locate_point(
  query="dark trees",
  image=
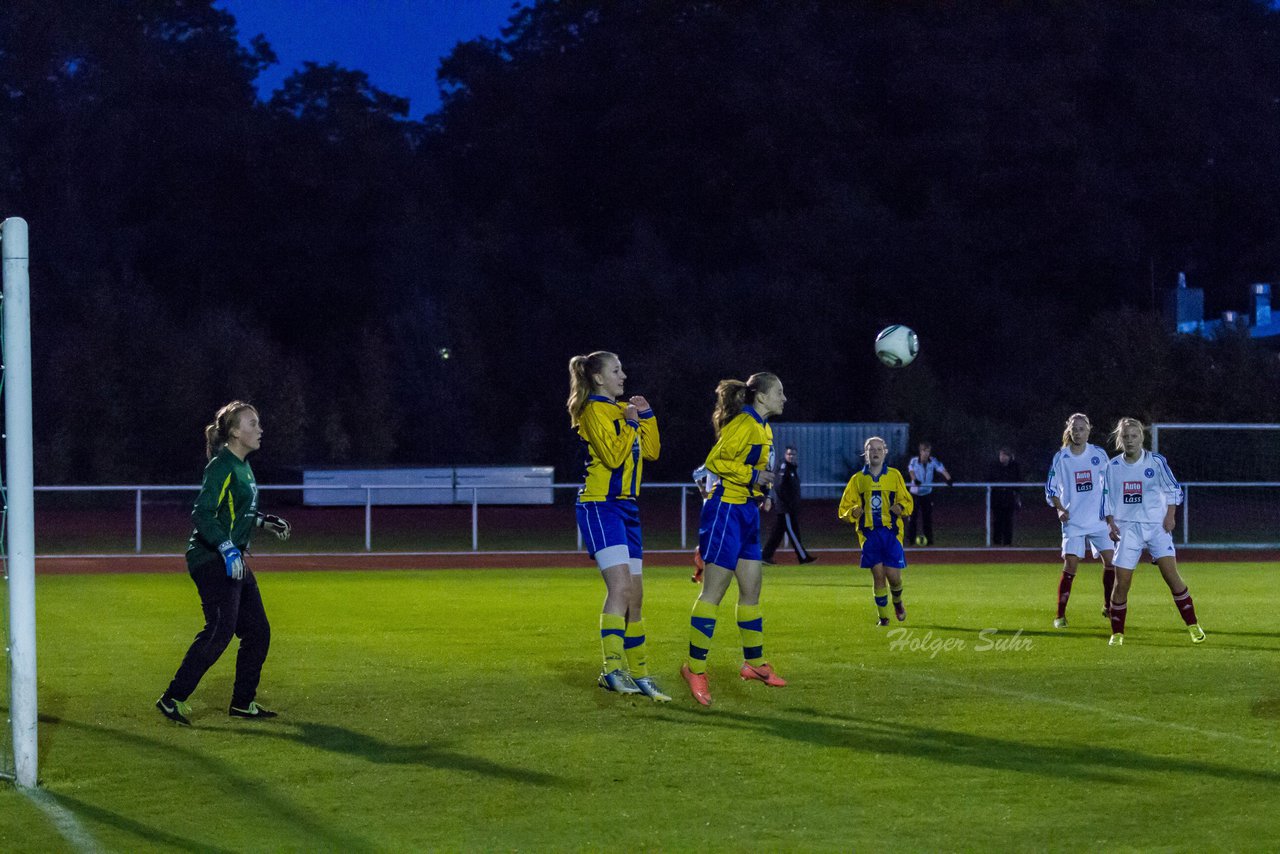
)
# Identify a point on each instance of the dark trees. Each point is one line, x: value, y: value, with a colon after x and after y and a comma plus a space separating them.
x: 708, y: 188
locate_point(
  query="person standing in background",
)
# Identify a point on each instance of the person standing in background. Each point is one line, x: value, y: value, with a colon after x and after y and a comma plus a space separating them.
x: 922, y: 470
x: 1074, y: 490
x: 786, y: 498
x: 1005, y: 500
x: 706, y: 482
x: 875, y: 501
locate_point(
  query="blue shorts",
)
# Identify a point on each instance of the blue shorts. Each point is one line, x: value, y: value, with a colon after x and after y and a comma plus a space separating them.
x: 882, y: 546
x: 728, y: 533
x: 611, y: 532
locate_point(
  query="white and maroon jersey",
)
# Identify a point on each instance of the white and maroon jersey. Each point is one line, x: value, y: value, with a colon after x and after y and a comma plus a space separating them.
x: 1141, y: 491
x: 1077, y: 481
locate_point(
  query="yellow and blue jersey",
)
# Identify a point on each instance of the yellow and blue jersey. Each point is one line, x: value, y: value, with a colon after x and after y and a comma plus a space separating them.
x: 744, y: 449
x: 615, y: 449
x: 867, y: 499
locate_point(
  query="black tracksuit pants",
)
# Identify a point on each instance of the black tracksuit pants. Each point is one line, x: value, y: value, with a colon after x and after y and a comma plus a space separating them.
x: 230, y: 608
x: 789, y: 524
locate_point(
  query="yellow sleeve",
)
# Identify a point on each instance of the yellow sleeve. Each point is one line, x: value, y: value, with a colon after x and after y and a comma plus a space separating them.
x: 610, y: 444
x: 851, y: 502
x: 650, y: 442
x: 905, y: 498
x: 728, y: 456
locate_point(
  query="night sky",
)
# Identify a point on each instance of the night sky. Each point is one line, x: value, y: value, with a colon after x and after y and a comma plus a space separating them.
x: 399, y: 43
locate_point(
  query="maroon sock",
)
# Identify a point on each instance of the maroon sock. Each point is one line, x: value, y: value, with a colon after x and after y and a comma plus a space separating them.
x: 1118, y: 612
x: 1186, y: 607
x: 1108, y: 581
x: 1064, y: 592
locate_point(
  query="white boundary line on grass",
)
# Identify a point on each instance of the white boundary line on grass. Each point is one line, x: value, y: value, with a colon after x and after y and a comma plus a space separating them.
x: 63, y: 820
x: 1070, y: 704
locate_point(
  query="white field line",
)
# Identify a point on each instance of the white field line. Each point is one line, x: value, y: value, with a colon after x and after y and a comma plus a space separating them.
x: 1101, y: 711
x: 63, y: 820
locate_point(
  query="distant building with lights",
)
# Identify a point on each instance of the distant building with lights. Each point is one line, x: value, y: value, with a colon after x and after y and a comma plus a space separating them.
x: 1184, y: 307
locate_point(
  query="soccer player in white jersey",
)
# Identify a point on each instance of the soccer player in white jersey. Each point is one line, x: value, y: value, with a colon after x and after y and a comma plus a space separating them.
x: 1141, y: 505
x: 1074, y: 489
x: 707, y: 483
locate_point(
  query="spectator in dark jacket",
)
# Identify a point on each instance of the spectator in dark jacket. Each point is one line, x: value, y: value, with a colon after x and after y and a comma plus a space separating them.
x: 786, y: 500
x: 1005, y: 500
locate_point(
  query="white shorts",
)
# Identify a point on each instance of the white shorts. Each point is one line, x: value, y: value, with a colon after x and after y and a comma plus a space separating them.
x: 1135, y: 536
x: 1099, y: 542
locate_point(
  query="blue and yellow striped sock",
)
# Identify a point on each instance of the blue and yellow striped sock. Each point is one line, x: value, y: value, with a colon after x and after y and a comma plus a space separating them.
x: 896, y: 593
x: 751, y: 627
x: 702, y: 625
x: 882, y: 602
x: 637, y: 660
x: 612, y: 628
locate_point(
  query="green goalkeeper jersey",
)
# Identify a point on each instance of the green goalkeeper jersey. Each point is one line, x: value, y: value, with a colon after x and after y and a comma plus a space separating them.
x: 226, y: 508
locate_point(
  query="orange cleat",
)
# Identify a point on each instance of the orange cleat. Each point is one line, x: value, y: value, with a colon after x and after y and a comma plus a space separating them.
x: 697, y: 685
x: 763, y: 672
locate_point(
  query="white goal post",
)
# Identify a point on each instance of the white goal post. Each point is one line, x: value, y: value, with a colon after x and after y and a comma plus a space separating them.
x: 20, y: 506
x: 1230, y: 473
x: 1156, y: 428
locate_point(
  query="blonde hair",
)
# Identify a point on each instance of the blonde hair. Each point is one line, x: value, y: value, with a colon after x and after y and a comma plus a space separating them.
x: 1120, y: 425
x: 867, y: 444
x: 581, y: 370
x: 217, y: 434
x: 733, y: 395
x: 1066, y: 430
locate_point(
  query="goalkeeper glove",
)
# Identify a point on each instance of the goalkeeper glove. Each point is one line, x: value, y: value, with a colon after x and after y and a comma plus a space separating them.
x: 280, y: 527
x: 233, y: 559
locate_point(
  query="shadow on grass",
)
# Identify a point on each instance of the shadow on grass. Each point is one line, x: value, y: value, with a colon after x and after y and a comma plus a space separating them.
x: 1231, y: 634
x: 336, y: 739
x: 217, y: 772
x: 1268, y: 707
x: 1104, y: 764
x: 143, y: 831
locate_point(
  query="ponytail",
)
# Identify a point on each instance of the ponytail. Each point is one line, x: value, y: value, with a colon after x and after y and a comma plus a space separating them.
x: 217, y: 434
x: 733, y: 395
x: 581, y: 370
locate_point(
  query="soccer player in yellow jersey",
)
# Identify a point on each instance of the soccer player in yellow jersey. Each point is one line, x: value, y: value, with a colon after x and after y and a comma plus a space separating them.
x: 729, y: 528
x: 616, y: 439
x: 876, y: 501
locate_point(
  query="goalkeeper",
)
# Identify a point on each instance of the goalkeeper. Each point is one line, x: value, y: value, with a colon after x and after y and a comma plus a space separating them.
x: 225, y: 514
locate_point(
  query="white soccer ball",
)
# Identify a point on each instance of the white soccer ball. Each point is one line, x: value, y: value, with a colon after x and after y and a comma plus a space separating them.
x: 897, y: 346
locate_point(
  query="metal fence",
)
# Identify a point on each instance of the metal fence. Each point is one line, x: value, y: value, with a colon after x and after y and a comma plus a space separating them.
x: 100, y: 519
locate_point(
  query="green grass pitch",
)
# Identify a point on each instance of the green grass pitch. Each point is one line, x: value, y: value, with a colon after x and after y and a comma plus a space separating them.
x: 457, y: 710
